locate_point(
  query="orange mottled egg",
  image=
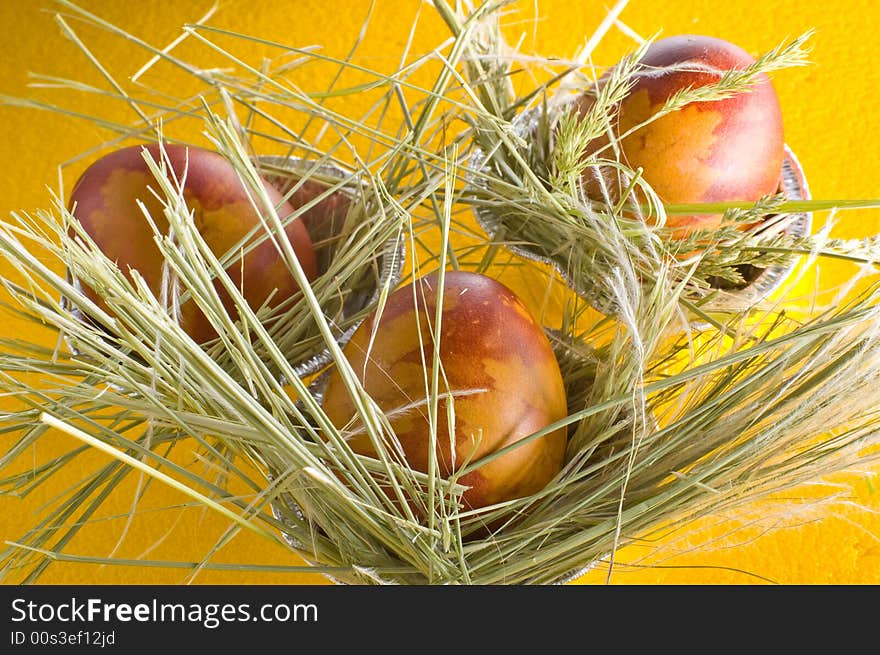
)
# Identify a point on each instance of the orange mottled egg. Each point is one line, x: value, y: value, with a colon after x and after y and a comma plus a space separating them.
x: 497, y: 364
x: 105, y: 202
x: 705, y: 152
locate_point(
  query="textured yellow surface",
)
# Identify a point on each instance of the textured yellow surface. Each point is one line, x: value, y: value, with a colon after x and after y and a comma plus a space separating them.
x: 831, y: 122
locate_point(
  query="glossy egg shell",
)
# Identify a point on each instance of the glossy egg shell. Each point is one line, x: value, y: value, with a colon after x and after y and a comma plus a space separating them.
x: 497, y: 362
x: 326, y: 216
x: 104, y: 201
x: 706, y: 152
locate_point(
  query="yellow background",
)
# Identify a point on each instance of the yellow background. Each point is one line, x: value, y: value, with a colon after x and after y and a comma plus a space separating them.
x: 830, y: 121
